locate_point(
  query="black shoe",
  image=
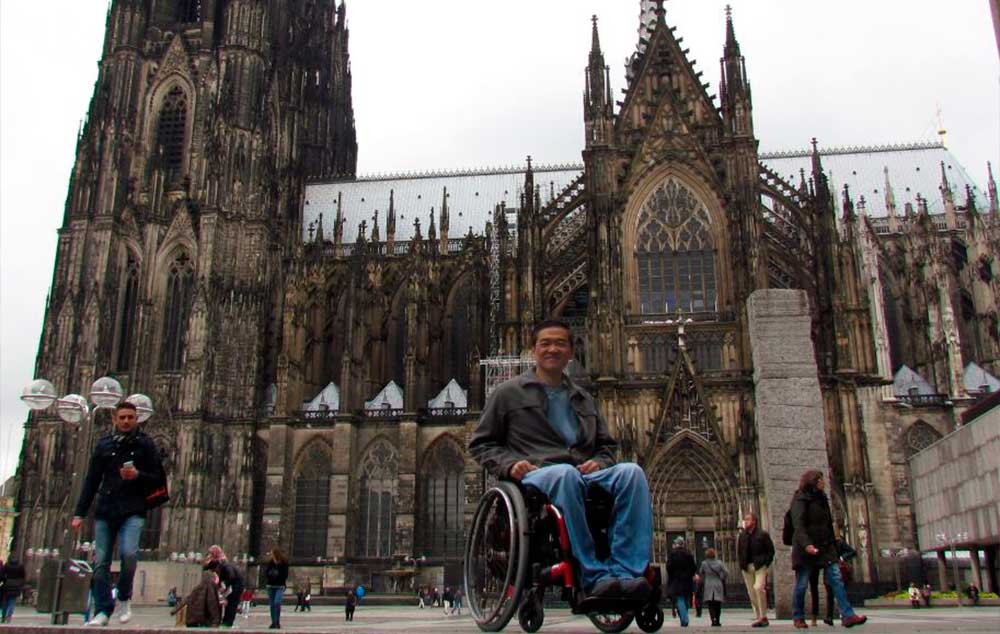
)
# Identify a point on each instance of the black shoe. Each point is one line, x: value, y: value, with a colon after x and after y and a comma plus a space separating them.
x: 609, y: 587
x: 828, y: 621
x: 637, y: 588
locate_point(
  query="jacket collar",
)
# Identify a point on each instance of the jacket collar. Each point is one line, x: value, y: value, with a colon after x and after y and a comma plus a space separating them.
x: 530, y: 378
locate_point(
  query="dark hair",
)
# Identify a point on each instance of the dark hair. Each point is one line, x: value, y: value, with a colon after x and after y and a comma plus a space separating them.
x: 124, y: 405
x: 550, y: 323
x: 807, y: 482
x: 278, y: 556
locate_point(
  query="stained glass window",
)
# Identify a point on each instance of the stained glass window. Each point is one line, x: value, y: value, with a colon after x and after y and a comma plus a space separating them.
x: 177, y: 308
x: 127, y: 314
x: 376, y: 522
x: 170, y: 133
x: 443, y: 501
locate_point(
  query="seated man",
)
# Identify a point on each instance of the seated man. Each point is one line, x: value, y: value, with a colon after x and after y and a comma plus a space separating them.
x: 543, y: 430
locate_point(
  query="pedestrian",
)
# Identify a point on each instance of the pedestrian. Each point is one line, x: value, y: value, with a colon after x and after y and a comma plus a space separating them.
x: 446, y: 600
x: 914, y: 593
x: 925, y: 593
x: 245, y: 599
x: 127, y: 478
x: 973, y: 593
x: 172, y: 597
x: 307, y: 599
x: 231, y: 581
x: 202, y: 606
x: 350, y: 604
x: 814, y: 596
x: 459, y: 595
x: 13, y: 584
x: 437, y: 597
x: 300, y: 600
x: 420, y: 597
x: 814, y: 546
x: 276, y: 576
x: 713, y: 584
x: 681, y: 569
x: 755, y: 552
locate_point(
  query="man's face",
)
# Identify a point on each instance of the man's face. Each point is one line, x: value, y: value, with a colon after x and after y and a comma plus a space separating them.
x: 125, y: 420
x: 553, y: 349
x: 749, y: 523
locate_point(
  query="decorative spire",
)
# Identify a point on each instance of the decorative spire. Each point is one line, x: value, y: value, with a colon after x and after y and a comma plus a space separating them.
x: 319, y: 229
x: 390, y: 221
x: 848, y: 205
x: 431, y: 231
x: 992, y: 188
x: 890, y: 194
x: 375, y: 233
x: 445, y: 216
x: 595, y: 44
x: 338, y: 223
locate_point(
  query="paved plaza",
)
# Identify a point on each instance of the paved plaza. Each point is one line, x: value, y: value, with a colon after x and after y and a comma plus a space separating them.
x: 414, y: 621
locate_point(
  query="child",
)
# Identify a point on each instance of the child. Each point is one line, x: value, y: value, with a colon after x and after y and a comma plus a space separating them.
x: 914, y: 592
x: 245, y: 600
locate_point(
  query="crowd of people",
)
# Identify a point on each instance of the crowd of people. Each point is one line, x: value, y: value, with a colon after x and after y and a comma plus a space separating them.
x: 450, y: 600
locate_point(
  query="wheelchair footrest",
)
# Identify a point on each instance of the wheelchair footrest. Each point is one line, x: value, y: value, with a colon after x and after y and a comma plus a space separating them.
x: 605, y: 605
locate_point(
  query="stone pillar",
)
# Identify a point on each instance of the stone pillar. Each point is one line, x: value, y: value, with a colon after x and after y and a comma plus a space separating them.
x: 943, y: 570
x: 977, y: 573
x: 991, y: 569
x: 789, y: 413
x: 340, y: 487
x: 407, y: 492
x: 278, y: 451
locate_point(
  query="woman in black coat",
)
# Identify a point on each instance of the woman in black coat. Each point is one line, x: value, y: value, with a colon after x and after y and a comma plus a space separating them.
x: 814, y: 547
x: 681, y: 569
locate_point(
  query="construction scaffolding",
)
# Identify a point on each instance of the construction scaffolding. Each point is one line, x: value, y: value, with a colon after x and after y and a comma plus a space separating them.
x: 504, y: 368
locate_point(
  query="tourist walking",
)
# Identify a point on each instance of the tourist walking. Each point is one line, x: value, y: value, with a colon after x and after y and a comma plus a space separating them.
x: 300, y: 600
x: 713, y: 583
x: 914, y: 593
x: 127, y: 478
x: 276, y: 577
x: 13, y: 584
x: 231, y: 581
x: 459, y: 595
x: 350, y: 604
x: 420, y: 597
x: 814, y: 546
x: 447, y: 598
x: 755, y: 552
x: 681, y: 570
x: 307, y: 599
x: 925, y: 593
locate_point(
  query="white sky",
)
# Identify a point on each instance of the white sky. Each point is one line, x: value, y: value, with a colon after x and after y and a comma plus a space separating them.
x: 462, y: 83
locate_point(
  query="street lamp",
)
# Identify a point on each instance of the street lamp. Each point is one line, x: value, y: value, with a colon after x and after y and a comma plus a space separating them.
x: 950, y: 539
x: 105, y: 393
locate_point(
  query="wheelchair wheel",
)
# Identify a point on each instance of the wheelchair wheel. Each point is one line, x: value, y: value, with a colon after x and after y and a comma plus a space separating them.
x: 611, y: 622
x: 650, y: 618
x: 496, y: 557
x: 531, y: 614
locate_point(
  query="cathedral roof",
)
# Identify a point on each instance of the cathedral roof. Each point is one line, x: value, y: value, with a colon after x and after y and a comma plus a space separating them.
x: 978, y: 380
x: 451, y: 396
x: 327, y: 400
x: 391, y: 397
x: 909, y: 383
x: 913, y: 169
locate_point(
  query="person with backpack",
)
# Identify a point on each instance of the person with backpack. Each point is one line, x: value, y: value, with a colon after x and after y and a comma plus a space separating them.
x: 755, y: 553
x: 13, y: 585
x: 350, y: 604
x: 276, y: 577
x: 814, y: 546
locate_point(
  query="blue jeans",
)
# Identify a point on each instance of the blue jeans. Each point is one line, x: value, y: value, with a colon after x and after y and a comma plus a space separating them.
x: 9, y: 601
x: 681, y: 603
x: 833, y: 581
x: 631, y: 530
x: 127, y: 531
x: 275, y: 594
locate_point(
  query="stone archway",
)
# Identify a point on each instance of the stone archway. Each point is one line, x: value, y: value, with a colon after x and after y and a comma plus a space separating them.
x: 695, y: 495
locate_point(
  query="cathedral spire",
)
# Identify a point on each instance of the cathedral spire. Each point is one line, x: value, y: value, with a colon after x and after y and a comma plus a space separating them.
x: 338, y: 223
x: 890, y: 202
x: 431, y: 231
x: 390, y: 221
x: 445, y: 222
x: 737, y: 102
x: 376, y: 238
x: 992, y: 188
x: 598, y: 105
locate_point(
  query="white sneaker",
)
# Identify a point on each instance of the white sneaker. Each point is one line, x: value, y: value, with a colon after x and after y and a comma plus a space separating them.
x: 126, y: 610
x: 100, y: 619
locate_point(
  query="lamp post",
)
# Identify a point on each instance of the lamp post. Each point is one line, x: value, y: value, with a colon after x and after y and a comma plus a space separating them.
x: 105, y: 393
x: 950, y: 539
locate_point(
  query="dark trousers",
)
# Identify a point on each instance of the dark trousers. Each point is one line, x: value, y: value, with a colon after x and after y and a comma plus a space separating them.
x: 714, y: 610
x: 349, y: 612
x: 814, y: 592
x: 232, y: 603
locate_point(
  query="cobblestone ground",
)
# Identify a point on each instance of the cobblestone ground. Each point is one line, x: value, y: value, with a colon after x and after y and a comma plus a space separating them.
x: 416, y: 621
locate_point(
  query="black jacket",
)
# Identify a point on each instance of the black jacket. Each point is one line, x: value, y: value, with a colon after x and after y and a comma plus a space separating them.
x: 754, y: 548
x: 681, y: 569
x: 276, y: 574
x: 813, y: 524
x: 514, y: 426
x: 13, y: 579
x: 118, y: 499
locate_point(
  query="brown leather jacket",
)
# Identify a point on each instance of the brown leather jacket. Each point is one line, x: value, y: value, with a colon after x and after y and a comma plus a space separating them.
x: 203, y: 609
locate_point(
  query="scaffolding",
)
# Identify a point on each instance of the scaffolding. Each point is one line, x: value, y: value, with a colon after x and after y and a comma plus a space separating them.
x: 504, y: 368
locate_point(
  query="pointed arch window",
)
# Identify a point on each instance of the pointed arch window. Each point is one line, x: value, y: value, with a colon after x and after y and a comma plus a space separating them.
x: 377, y: 508
x: 312, y: 504
x: 127, y: 314
x: 177, y: 309
x: 171, y: 130
x: 675, y: 253
x: 443, y: 501
x: 462, y: 313
x: 396, y: 348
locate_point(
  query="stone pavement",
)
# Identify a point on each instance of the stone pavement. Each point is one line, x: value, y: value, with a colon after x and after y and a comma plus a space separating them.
x: 430, y: 621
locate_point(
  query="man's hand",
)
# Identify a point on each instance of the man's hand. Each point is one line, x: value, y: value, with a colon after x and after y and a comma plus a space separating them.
x: 128, y: 472
x: 76, y: 524
x: 811, y: 550
x: 589, y: 467
x: 519, y: 469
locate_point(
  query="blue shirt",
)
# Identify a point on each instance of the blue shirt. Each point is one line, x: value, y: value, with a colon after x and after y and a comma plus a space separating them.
x: 561, y: 416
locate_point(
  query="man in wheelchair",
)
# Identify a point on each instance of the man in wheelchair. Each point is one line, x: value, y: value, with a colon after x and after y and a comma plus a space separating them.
x: 544, y: 431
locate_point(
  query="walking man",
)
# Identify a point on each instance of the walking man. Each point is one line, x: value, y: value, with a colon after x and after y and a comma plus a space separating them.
x: 127, y: 478
x: 755, y: 552
x: 545, y: 431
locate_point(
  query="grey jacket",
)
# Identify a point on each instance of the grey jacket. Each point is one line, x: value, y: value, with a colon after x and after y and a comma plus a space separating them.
x: 514, y: 426
x: 713, y: 580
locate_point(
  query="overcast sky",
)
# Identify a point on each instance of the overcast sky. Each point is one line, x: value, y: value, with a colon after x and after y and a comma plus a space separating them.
x: 466, y: 83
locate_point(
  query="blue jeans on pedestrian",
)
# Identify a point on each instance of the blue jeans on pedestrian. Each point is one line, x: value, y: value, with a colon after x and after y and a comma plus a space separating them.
x: 9, y: 601
x: 681, y: 603
x: 275, y: 594
x: 127, y: 532
x: 832, y: 579
x: 631, y: 530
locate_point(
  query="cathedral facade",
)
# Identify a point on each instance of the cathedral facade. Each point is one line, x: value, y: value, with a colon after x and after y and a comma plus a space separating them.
x: 318, y: 345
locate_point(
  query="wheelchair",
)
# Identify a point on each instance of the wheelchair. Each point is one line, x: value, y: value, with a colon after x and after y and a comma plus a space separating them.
x: 518, y: 546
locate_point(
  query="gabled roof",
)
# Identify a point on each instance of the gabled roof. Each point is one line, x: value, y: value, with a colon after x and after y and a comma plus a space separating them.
x: 451, y: 396
x: 391, y: 397
x: 906, y: 379
x: 975, y: 378
x: 327, y: 400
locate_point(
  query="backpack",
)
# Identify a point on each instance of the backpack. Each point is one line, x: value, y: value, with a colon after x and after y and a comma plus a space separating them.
x: 788, y: 530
